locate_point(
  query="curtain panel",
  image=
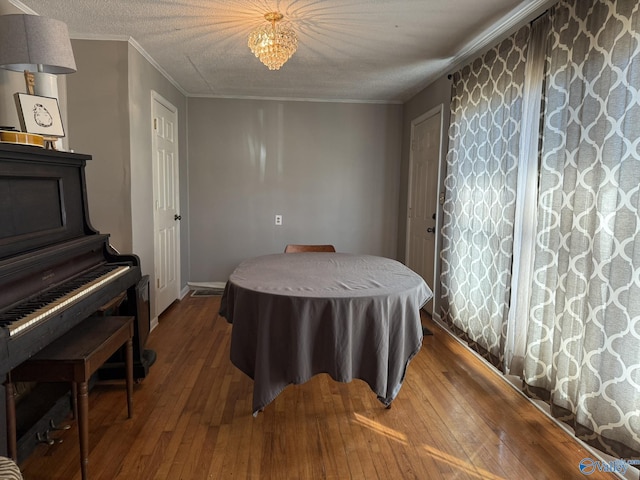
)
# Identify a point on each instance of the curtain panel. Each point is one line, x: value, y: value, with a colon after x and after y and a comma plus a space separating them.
x: 527, y: 199
x: 583, y: 340
x: 480, y: 195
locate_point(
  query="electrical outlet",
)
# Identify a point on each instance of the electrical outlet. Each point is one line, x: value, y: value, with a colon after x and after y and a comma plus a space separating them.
x: 278, y: 219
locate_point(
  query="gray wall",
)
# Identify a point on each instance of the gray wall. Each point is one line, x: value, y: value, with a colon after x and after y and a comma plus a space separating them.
x: 98, y: 106
x: 437, y: 93
x: 143, y: 79
x: 10, y: 82
x: 331, y: 169
x: 109, y: 104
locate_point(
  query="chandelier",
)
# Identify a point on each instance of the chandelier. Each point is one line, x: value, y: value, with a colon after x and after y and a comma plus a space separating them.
x: 274, y: 43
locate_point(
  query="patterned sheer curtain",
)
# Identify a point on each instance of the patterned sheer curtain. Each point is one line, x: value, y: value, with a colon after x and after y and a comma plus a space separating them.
x: 583, y: 341
x: 480, y: 197
x: 527, y: 199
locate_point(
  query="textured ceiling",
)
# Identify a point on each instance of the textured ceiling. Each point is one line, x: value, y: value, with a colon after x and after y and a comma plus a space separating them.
x: 351, y: 50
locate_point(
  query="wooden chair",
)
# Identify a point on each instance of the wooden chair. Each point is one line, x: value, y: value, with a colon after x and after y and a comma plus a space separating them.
x: 291, y: 248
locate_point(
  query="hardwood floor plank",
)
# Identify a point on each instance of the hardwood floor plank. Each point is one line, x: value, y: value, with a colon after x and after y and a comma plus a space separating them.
x: 454, y: 418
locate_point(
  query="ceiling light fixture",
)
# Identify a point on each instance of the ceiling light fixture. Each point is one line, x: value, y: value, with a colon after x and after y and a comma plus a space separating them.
x: 273, y: 44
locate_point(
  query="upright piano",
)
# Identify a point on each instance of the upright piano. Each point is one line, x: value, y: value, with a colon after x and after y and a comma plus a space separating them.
x: 56, y: 270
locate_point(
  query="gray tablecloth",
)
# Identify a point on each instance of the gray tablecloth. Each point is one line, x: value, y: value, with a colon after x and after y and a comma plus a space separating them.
x: 299, y: 314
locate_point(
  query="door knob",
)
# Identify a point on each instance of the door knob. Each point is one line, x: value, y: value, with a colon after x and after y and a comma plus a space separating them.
x: 431, y: 230
x: 177, y: 217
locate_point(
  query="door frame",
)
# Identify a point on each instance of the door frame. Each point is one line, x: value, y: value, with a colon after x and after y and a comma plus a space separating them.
x: 437, y: 110
x: 157, y: 98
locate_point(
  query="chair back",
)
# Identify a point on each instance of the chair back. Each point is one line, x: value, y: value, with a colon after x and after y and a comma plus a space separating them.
x: 291, y: 248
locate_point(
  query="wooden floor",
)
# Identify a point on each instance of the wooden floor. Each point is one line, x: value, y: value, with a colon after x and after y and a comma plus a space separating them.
x: 453, y: 419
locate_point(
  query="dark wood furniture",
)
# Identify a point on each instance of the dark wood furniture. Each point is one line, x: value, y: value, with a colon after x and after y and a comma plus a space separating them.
x: 56, y: 270
x: 74, y: 358
x: 293, y: 248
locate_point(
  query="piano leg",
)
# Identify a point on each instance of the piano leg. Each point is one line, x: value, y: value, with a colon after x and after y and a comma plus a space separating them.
x: 136, y: 304
x: 129, y: 362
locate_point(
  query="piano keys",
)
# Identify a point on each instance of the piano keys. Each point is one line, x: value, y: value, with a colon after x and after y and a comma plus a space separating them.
x: 31, y: 312
x: 55, y: 268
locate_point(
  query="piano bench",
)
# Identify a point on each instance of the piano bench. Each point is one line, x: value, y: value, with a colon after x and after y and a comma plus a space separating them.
x: 75, y: 357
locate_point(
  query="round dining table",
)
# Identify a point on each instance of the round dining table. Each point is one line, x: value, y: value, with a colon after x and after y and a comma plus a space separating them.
x: 296, y: 315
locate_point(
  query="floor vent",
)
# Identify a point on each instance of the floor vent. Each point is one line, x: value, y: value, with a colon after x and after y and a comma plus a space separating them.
x: 208, y: 292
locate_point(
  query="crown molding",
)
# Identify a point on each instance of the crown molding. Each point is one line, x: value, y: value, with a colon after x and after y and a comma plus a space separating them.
x: 22, y: 7
x: 150, y: 59
x: 513, y: 20
x: 297, y: 99
x: 121, y: 38
x: 132, y: 41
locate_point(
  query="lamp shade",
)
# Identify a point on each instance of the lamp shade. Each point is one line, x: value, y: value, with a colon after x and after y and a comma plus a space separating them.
x: 36, y: 44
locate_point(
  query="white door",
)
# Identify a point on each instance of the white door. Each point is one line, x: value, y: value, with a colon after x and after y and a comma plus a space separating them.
x: 166, y: 203
x: 423, y: 197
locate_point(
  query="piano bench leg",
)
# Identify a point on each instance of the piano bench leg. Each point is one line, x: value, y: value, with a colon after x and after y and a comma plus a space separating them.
x: 74, y: 357
x: 83, y: 427
x: 12, y: 443
x: 74, y: 400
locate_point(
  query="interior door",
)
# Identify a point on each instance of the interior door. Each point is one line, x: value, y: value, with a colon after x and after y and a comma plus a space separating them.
x: 423, y: 197
x: 166, y: 204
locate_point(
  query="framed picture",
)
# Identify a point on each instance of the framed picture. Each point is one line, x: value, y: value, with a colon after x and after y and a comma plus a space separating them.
x: 39, y: 115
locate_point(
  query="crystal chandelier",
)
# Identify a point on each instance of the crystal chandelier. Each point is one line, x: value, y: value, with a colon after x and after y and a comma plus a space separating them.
x: 273, y: 44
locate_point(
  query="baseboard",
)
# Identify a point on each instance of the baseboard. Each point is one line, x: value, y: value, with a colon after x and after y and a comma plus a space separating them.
x: 184, y: 291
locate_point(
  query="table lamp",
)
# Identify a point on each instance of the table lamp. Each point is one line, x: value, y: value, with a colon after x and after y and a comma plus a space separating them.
x: 40, y: 47
x: 35, y: 44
